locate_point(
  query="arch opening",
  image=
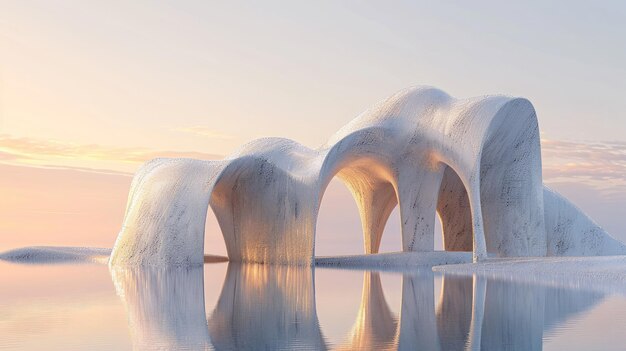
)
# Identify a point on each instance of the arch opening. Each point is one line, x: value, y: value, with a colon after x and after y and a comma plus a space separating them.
x: 338, y: 229
x: 214, y: 244
x: 454, y: 213
x: 373, y: 190
x: 391, y: 240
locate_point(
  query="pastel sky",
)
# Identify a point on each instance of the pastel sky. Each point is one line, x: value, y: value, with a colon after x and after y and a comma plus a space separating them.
x: 99, y: 87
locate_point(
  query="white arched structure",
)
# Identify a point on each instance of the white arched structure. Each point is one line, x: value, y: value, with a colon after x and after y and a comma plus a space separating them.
x: 475, y: 161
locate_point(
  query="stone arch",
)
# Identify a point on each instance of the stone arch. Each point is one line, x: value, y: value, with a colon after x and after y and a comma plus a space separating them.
x: 361, y: 161
x: 266, y: 196
x: 373, y: 188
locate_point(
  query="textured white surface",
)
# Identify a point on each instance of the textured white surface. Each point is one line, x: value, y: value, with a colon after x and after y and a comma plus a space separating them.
x: 572, y: 233
x: 476, y: 162
x: 605, y: 271
x: 395, y: 260
x: 58, y: 254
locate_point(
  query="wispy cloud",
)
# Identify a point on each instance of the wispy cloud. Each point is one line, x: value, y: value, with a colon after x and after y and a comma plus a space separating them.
x: 204, y: 132
x: 601, y: 165
x: 43, y: 152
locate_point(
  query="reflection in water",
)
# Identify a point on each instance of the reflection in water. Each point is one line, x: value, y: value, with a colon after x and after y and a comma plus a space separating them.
x: 273, y: 307
x: 417, y: 317
x: 518, y: 315
x: 454, y: 312
x: 375, y: 326
x: 266, y: 307
x: 165, y: 306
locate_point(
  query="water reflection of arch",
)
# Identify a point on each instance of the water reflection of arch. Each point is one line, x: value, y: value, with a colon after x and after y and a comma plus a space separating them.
x: 454, y: 312
x: 472, y: 313
x: 418, y: 323
x: 417, y: 326
x: 520, y: 314
x: 273, y: 307
x: 165, y: 306
x: 375, y: 326
x: 266, y: 307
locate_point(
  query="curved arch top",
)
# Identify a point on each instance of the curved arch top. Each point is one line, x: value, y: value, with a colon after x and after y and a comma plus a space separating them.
x: 403, y: 151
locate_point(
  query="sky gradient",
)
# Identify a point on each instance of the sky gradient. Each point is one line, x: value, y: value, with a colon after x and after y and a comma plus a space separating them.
x: 89, y: 91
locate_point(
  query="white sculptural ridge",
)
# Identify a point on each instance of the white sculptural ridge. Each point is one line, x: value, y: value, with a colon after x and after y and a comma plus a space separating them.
x: 476, y: 162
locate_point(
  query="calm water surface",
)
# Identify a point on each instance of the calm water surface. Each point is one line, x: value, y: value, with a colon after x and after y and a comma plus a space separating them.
x: 254, y: 307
